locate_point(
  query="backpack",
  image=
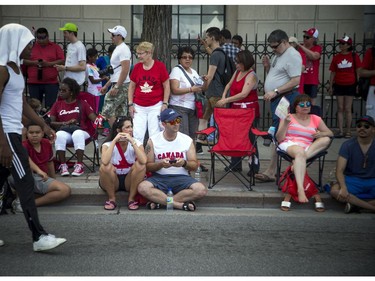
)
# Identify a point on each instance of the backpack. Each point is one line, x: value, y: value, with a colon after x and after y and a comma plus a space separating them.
x: 290, y: 184
x: 229, y: 68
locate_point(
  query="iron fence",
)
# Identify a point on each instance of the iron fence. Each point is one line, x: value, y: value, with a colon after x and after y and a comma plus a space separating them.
x: 259, y: 47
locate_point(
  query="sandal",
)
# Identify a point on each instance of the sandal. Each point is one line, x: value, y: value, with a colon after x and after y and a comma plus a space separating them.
x: 186, y: 205
x: 319, y: 207
x: 285, y: 206
x: 153, y: 206
x: 110, y: 205
x: 133, y: 205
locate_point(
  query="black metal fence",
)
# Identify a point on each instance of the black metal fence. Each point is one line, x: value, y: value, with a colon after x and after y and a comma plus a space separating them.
x: 259, y: 47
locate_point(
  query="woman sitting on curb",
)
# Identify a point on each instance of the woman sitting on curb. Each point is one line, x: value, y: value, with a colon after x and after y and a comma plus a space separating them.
x: 123, y: 164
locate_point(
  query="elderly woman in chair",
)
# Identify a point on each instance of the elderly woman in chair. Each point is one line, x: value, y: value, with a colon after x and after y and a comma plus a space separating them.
x: 72, y: 118
x: 302, y: 135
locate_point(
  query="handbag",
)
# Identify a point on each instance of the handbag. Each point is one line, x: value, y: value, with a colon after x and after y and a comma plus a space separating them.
x: 71, y: 128
x: 290, y: 184
x: 200, y: 98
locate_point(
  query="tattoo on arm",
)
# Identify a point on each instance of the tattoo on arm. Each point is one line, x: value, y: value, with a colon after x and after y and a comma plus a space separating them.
x: 147, y: 149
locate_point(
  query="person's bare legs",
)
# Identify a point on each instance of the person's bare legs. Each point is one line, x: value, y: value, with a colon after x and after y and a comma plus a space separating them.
x: 108, y: 180
x: 299, y: 169
x: 57, y: 191
x: 348, y: 101
x: 134, y: 178
x: 317, y: 146
x: 340, y: 113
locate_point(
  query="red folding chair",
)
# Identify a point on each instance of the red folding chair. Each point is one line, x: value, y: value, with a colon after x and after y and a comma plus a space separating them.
x: 233, y: 129
x: 93, y: 132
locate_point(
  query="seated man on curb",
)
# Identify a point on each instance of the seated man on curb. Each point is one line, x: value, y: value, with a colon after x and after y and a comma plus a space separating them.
x: 170, y: 155
x: 41, y: 162
x: 355, y: 169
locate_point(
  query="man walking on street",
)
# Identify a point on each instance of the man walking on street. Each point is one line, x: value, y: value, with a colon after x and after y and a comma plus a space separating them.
x: 16, y: 45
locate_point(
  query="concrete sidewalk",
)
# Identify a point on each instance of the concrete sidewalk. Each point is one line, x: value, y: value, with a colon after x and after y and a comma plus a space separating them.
x: 228, y: 193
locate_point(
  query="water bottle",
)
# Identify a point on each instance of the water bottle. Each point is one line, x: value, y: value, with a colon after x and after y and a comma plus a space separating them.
x: 169, y: 200
x: 197, y: 174
x: 271, y: 131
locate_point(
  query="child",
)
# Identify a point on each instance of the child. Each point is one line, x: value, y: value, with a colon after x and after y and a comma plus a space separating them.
x: 94, y: 79
x: 41, y: 163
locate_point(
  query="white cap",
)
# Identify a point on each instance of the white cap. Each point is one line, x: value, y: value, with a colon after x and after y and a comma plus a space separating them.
x: 293, y: 39
x: 118, y: 30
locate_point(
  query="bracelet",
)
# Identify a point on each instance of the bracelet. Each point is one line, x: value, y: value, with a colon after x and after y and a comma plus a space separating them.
x: 191, y: 90
x: 130, y: 104
x: 166, y: 103
x: 184, y: 165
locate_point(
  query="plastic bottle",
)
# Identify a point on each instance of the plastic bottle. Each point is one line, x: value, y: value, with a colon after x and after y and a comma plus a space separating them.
x: 169, y: 200
x: 197, y: 174
x: 271, y: 131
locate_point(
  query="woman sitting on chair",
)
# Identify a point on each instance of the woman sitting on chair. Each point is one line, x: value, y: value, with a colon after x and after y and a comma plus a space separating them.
x: 123, y: 163
x: 72, y: 119
x: 302, y: 135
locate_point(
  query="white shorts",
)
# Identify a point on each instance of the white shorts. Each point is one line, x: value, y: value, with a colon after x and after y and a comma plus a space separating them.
x: 284, y: 145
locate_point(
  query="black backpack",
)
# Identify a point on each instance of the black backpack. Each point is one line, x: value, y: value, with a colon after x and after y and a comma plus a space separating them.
x: 229, y: 68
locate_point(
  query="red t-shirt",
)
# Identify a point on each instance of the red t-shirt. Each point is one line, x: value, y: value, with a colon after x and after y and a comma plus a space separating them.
x: 63, y: 112
x: 149, y: 88
x: 343, y: 66
x: 369, y: 63
x: 311, y: 73
x: 41, y: 158
x: 50, y: 52
x: 302, y: 77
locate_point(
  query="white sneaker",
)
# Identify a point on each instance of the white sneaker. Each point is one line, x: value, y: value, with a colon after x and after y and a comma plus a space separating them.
x: 1, y: 243
x: 47, y: 242
x: 64, y: 170
x: 16, y: 206
x: 78, y: 170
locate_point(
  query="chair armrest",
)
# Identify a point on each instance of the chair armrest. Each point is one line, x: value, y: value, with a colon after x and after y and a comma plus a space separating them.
x: 207, y: 131
x: 259, y: 133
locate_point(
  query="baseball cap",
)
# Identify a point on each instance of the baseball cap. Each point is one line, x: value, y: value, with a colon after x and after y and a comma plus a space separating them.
x: 118, y: 30
x: 346, y: 39
x: 293, y: 39
x: 69, y: 27
x: 367, y: 119
x: 313, y: 32
x: 169, y: 115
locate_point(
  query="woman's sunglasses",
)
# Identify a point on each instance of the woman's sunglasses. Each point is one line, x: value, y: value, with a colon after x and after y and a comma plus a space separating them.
x: 305, y: 104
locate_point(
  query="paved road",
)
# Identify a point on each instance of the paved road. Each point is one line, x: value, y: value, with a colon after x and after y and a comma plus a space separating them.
x: 211, y: 241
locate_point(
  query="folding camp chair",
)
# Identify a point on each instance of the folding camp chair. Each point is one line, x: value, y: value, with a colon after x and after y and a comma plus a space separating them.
x: 233, y: 129
x: 94, y: 160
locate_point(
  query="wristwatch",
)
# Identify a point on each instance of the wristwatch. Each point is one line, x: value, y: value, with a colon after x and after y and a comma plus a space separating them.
x: 276, y: 91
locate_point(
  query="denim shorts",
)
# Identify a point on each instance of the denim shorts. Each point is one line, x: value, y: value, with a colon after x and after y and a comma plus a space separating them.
x: 361, y: 188
x: 176, y: 182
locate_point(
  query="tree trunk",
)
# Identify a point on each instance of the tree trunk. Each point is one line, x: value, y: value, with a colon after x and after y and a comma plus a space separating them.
x: 157, y: 29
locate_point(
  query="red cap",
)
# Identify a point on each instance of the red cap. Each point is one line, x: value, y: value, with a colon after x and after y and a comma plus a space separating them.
x: 312, y: 32
x: 345, y: 40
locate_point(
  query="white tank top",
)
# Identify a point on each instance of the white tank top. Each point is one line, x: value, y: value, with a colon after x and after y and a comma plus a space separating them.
x: 12, y: 102
x: 171, y: 149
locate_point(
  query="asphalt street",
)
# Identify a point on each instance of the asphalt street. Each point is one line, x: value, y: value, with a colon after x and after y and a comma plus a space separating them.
x: 209, y: 242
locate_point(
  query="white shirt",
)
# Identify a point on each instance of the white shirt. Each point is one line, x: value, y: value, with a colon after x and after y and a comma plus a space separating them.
x: 121, y: 53
x: 76, y: 52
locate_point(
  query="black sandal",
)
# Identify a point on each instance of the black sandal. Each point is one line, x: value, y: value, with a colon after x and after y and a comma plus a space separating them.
x: 185, y: 206
x: 153, y: 207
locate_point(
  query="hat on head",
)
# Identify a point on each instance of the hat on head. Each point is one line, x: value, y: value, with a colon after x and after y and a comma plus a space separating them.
x: 169, y: 115
x: 346, y: 40
x: 118, y: 30
x: 293, y: 39
x: 313, y: 32
x: 367, y: 119
x: 69, y: 27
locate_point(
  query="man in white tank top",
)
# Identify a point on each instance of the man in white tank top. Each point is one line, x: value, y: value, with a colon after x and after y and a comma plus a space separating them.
x: 16, y: 45
x: 170, y: 157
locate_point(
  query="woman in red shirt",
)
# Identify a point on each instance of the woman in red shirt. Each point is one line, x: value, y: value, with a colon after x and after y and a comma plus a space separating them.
x: 344, y: 67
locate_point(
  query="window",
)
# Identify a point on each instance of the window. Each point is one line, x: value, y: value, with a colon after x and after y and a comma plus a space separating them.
x: 186, y: 20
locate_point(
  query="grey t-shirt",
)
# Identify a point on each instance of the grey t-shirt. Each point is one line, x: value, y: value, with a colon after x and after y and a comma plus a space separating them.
x: 215, y: 89
x: 283, y: 68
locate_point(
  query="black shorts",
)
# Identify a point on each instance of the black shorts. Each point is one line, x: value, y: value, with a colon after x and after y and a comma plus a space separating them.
x: 344, y: 90
x: 311, y: 90
x: 121, y: 183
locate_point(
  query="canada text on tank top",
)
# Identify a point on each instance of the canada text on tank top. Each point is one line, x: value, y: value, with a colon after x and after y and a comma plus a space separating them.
x: 122, y: 167
x: 171, y: 155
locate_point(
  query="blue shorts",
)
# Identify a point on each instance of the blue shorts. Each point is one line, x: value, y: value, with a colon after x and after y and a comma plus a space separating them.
x: 361, y: 188
x: 176, y: 182
x: 311, y: 90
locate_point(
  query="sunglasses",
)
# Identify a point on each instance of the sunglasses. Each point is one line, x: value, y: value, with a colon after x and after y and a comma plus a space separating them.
x: 342, y: 43
x: 41, y: 37
x: 187, y: 57
x: 365, y: 125
x: 140, y: 54
x: 305, y: 104
x: 174, y: 122
x: 306, y: 37
x: 275, y: 46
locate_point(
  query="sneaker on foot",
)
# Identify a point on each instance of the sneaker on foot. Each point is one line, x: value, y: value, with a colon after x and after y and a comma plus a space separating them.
x: 64, y: 170
x: 78, y: 170
x: 16, y: 206
x: 1, y: 243
x: 47, y: 242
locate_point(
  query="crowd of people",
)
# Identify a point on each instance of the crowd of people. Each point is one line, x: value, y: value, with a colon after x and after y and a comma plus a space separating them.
x: 151, y: 146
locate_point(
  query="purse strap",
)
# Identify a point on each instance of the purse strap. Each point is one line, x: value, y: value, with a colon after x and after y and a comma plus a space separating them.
x: 186, y: 75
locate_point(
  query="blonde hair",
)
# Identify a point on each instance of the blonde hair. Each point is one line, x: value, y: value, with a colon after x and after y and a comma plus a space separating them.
x: 145, y: 47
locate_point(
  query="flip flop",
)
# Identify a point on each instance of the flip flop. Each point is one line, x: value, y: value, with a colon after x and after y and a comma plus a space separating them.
x: 264, y: 178
x: 133, y: 205
x: 110, y: 205
x: 285, y: 206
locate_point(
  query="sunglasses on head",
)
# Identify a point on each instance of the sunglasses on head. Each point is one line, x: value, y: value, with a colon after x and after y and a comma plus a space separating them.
x: 174, y: 122
x: 365, y: 125
x: 305, y: 104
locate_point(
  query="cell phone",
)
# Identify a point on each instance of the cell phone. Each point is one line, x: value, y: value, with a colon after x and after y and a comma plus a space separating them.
x: 172, y: 161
